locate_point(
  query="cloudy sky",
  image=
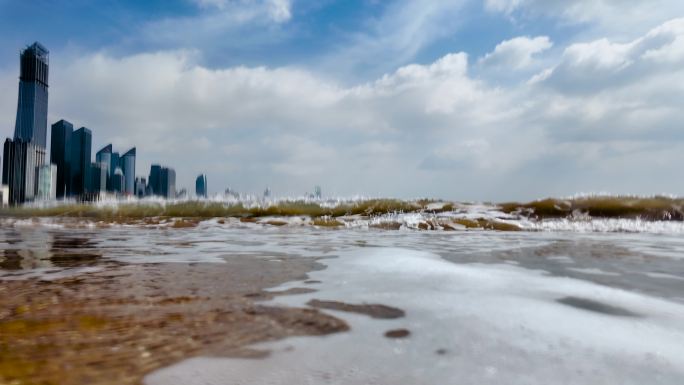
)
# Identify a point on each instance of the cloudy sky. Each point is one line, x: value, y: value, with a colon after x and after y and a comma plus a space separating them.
x: 458, y: 99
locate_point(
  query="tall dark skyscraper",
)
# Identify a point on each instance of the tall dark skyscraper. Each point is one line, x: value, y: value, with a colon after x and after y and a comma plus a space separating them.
x: 155, y: 180
x: 81, y: 146
x: 60, y: 155
x: 162, y: 181
x: 115, y: 162
x: 26, y: 152
x: 32, y: 108
x: 128, y: 167
x: 104, y: 156
x: 201, y: 186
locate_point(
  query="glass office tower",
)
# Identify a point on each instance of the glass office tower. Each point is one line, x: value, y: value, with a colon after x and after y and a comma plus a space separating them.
x: 201, y: 186
x: 104, y: 156
x: 155, y: 180
x: 60, y: 155
x: 81, y: 146
x: 32, y: 107
x: 168, y: 181
x: 127, y: 163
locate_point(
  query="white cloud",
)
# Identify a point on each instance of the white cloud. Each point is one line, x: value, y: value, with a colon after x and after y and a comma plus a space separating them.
x: 604, y: 64
x: 277, y: 10
x: 619, y: 17
x: 516, y: 53
x: 404, y: 29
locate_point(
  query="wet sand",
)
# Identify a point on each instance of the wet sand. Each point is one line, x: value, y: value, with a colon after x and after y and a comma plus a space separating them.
x: 115, y: 325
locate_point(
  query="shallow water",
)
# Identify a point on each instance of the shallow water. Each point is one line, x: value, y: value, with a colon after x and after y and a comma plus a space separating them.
x: 481, y: 307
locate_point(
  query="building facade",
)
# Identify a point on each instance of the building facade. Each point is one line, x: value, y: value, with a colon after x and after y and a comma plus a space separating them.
x: 46, y: 182
x: 140, y: 187
x: 98, y: 173
x: 201, y: 186
x: 21, y: 160
x: 32, y: 106
x: 4, y: 195
x: 162, y: 181
x: 81, y: 146
x: 168, y: 179
x: 128, y: 167
x: 104, y: 156
x: 118, y: 180
x: 60, y: 155
x: 155, y: 180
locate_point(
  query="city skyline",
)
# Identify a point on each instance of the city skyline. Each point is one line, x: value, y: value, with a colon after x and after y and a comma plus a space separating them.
x: 69, y: 172
x: 396, y: 98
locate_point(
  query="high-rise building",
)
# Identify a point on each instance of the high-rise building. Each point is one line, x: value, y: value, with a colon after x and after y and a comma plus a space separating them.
x: 98, y: 173
x: 105, y: 156
x: 81, y: 146
x: 19, y: 169
x: 128, y: 167
x: 115, y: 162
x: 168, y: 182
x: 155, y: 184
x: 140, y: 187
x: 46, y: 182
x: 201, y: 186
x: 162, y: 181
x: 32, y: 107
x: 118, y: 180
x: 60, y: 155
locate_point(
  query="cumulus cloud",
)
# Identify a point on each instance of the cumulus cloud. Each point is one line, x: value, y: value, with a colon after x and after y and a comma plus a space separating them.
x: 423, y: 129
x: 516, y: 53
x: 603, y: 64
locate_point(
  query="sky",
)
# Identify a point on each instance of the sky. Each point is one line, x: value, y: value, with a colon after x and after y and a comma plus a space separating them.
x: 490, y: 100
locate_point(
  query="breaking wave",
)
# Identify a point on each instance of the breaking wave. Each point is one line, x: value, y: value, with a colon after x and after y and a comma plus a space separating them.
x: 602, y: 213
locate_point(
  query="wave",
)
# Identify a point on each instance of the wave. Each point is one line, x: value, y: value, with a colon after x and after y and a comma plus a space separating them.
x: 582, y: 213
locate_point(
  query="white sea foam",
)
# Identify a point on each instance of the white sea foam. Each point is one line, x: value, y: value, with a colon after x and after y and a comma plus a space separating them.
x: 470, y: 324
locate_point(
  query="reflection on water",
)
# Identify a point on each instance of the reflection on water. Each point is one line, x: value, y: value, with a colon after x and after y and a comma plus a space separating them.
x: 42, y: 249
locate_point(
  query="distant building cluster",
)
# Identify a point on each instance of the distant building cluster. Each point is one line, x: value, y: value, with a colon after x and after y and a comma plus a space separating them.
x: 70, y: 172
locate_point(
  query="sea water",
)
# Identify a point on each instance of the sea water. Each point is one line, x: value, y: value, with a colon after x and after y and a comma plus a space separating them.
x: 570, y: 306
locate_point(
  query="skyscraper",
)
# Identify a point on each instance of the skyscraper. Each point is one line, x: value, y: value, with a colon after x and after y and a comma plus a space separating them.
x: 162, y: 181
x: 19, y: 169
x: 201, y: 186
x: 27, y: 151
x: 104, y: 156
x: 128, y: 168
x: 155, y: 180
x: 32, y: 107
x: 60, y: 155
x: 81, y: 146
x: 115, y: 162
x: 46, y: 188
x: 118, y: 180
x: 140, y: 187
x: 98, y: 173
x: 168, y: 180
